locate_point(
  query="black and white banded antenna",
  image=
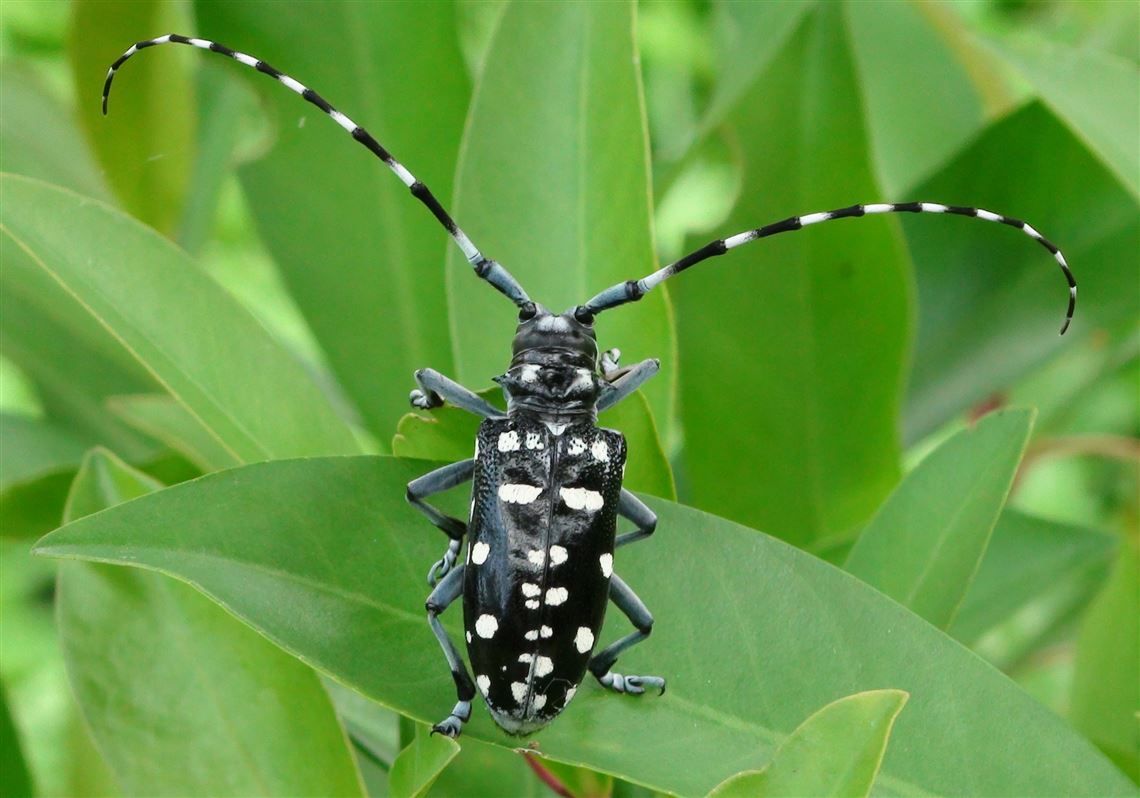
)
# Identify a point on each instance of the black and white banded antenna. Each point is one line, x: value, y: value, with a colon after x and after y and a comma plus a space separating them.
x: 633, y: 290
x: 485, y: 268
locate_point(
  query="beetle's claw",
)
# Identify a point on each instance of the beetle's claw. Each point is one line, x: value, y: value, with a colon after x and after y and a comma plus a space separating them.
x: 450, y: 726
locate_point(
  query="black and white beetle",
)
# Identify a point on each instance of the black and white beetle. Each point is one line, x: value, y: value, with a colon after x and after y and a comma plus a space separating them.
x: 547, y: 481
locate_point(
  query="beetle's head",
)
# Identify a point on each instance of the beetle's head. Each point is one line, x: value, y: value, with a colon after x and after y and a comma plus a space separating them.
x: 554, y: 358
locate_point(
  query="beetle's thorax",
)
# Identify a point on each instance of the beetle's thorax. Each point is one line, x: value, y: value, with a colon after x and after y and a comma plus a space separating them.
x: 553, y: 375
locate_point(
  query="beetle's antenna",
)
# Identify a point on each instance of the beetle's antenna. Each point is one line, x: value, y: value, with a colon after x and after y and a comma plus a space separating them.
x: 633, y: 290
x: 487, y: 269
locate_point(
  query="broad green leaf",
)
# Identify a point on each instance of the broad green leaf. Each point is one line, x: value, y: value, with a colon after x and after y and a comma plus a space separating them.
x: 203, y: 705
x: 163, y: 419
x: 991, y: 300
x: 553, y: 183
x: 362, y: 258
x: 15, y: 781
x: 793, y: 349
x: 915, y: 122
x: 145, y: 145
x: 420, y: 763
x: 1096, y: 93
x: 925, y: 544
x: 325, y: 558
x: 1029, y: 561
x: 73, y: 363
x: 207, y: 351
x: 835, y: 752
x: 1106, y: 686
x: 449, y: 434
x: 40, y: 139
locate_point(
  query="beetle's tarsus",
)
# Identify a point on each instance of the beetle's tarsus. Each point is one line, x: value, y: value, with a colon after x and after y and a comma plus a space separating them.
x: 633, y: 685
x: 443, y: 565
x: 422, y: 400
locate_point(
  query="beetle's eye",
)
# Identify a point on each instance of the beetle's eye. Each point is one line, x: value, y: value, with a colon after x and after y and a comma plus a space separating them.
x: 527, y: 312
x: 584, y: 315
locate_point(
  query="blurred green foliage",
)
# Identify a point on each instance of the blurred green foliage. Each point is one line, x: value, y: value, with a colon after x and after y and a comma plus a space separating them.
x: 248, y: 285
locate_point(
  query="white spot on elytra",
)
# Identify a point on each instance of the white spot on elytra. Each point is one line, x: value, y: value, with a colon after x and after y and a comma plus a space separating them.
x: 532, y: 604
x: 543, y: 666
x: 526, y: 657
x: 508, y: 441
x: 533, y: 441
x: 484, y: 683
x: 536, y: 556
x: 539, y: 701
x: 518, y: 690
x: 569, y: 695
x: 529, y: 373
x: 531, y: 590
x: 468, y: 637
x: 600, y: 451
x: 584, y: 640
x: 577, y: 446
x: 607, y: 563
x: 558, y: 555
x: 546, y: 632
x: 581, y: 499
x: 479, y: 553
x: 486, y: 626
x: 519, y: 494
x: 531, y: 635
x: 556, y: 596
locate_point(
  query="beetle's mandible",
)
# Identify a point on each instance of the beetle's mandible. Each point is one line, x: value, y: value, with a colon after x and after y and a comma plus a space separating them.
x: 546, y: 479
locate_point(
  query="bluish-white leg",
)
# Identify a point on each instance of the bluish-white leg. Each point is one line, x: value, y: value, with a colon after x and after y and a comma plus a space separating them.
x: 435, y: 389
x: 601, y: 663
x: 631, y: 507
x: 627, y: 383
x: 429, y: 484
x: 440, y: 599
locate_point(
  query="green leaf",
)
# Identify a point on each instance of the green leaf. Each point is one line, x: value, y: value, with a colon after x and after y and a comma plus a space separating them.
x: 1096, y: 93
x: 793, y: 349
x: 553, y: 183
x: 15, y: 781
x: 991, y: 301
x: 361, y: 257
x: 1030, y: 561
x: 325, y: 558
x: 914, y: 125
x: 221, y: 711
x: 32, y: 447
x: 162, y: 418
x: 145, y: 145
x: 207, y: 351
x: 925, y: 543
x: 449, y: 434
x: 420, y: 763
x: 835, y: 752
x: 1106, y: 687
x: 40, y: 139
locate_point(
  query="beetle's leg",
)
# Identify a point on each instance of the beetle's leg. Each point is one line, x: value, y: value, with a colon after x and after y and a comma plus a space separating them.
x: 631, y: 507
x: 601, y: 663
x: 627, y: 383
x: 435, y: 389
x: 440, y: 599
x: 437, y: 482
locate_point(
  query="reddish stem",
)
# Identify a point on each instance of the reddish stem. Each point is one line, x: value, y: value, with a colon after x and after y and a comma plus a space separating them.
x: 548, y: 778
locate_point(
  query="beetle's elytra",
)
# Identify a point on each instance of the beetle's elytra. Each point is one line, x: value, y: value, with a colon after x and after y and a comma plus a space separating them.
x: 546, y: 480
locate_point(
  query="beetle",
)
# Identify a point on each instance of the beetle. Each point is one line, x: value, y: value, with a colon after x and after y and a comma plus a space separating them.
x: 546, y: 479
